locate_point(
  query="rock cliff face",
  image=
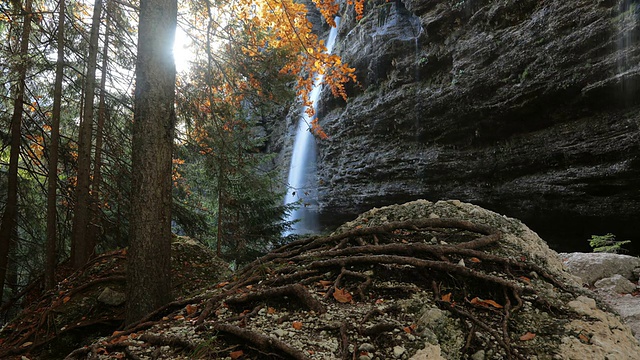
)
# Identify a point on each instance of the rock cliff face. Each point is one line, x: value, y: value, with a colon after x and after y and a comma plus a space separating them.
x: 526, y: 107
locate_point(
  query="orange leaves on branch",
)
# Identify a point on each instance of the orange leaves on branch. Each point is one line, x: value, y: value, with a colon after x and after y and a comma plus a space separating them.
x: 328, y: 9
x: 358, y: 7
x: 317, y: 130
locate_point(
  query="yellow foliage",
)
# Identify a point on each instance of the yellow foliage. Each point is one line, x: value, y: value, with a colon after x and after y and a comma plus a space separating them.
x: 237, y: 32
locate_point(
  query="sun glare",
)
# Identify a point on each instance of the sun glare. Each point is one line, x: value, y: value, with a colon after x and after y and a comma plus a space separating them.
x: 182, y: 51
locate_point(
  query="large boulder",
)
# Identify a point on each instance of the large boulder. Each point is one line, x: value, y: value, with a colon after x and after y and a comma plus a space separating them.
x: 614, y: 278
x: 526, y: 107
x: 591, y: 267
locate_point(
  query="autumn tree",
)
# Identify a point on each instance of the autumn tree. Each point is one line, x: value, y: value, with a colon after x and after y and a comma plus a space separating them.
x: 248, y: 55
x: 149, y: 256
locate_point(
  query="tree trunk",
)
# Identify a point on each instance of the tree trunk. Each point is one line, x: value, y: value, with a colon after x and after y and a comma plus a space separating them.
x: 9, y: 217
x: 81, y: 246
x: 50, y: 262
x: 95, y: 225
x: 149, y: 256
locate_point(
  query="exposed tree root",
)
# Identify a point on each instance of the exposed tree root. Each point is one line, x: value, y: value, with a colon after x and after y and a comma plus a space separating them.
x: 427, y: 255
x: 295, y: 290
x: 262, y: 342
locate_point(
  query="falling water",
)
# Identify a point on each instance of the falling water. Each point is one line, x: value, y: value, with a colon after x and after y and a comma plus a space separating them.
x: 629, y: 13
x: 302, y: 179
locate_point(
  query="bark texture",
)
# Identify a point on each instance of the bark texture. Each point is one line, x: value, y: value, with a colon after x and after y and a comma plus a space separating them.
x: 148, y: 279
x: 9, y: 224
x: 82, y: 246
x: 52, y: 185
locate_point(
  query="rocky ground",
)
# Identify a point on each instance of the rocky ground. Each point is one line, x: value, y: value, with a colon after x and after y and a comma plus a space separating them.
x: 613, y: 278
x: 419, y: 281
x: 90, y: 303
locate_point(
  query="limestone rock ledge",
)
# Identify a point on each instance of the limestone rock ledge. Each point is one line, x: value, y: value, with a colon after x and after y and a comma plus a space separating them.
x: 529, y: 108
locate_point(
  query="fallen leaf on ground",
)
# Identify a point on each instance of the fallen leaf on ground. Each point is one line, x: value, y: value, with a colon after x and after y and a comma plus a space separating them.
x: 525, y: 279
x: 342, y: 295
x: 486, y: 303
x: 236, y: 354
x: 297, y: 325
x: 528, y: 336
x: 191, y: 309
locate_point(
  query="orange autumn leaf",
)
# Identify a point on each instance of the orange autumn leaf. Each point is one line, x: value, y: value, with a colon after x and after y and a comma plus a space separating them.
x: 342, y: 295
x: 119, y: 339
x: 475, y: 260
x: 191, y: 309
x: 236, y: 354
x: 525, y: 279
x: 297, y: 325
x: 528, y: 336
x: 325, y: 283
x: 486, y: 303
x: 583, y: 338
x: 446, y: 297
x: 271, y: 310
x: 66, y: 299
x: 407, y: 329
x: 222, y: 284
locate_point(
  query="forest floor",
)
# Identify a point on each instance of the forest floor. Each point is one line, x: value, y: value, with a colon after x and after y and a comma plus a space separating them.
x: 420, y: 282
x: 89, y: 303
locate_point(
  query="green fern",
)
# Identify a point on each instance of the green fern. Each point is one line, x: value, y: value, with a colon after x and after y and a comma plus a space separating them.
x: 607, y: 243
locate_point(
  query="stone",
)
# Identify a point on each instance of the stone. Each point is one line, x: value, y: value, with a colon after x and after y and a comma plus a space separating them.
x: 398, y: 351
x: 591, y: 267
x: 111, y: 297
x: 430, y: 352
x: 616, y: 284
x: 517, y: 106
x: 366, y: 347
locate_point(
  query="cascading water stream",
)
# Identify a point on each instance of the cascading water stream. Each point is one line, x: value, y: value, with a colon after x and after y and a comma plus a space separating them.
x: 302, y: 171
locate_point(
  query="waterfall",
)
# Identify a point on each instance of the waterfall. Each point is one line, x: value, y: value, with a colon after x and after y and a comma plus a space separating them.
x: 302, y: 171
x: 628, y: 27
